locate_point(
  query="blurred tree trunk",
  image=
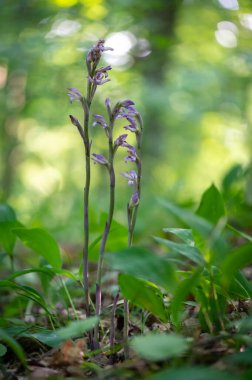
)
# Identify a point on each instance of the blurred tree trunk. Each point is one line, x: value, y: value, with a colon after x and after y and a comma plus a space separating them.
x: 158, y: 18
x: 14, y: 103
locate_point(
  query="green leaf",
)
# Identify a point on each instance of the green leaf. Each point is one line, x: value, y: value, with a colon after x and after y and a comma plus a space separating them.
x: 7, y: 214
x: 237, y: 259
x: 45, y: 270
x: 41, y: 242
x: 243, y: 358
x: 183, y: 234
x: 14, y: 345
x: 73, y: 330
x: 3, y: 350
x: 140, y: 262
x: 194, y: 221
x: 25, y: 291
x: 158, y: 346
x: 191, y: 253
x: 194, y: 373
x: 235, y: 174
x: 7, y: 237
x: 211, y: 206
x: 207, y: 237
x: 243, y: 326
x: 240, y: 233
x: 240, y: 286
x: 182, y: 291
x: 144, y: 294
x: 8, y: 221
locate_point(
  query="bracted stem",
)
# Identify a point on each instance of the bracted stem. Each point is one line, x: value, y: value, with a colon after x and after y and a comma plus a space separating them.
x: 132, y: 217
x: 86, y: 106
x: 107, y: 225
x: 112, y: 326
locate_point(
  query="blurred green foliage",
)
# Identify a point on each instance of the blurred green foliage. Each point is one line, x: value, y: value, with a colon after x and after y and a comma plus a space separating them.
x: 187, y: 65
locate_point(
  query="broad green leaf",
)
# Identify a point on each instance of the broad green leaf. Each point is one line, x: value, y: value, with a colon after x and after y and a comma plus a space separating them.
x: 191, y: 253
x: 207, y: 237
x: 211, y: 205
x: 7, y: 237
x: 194, y: 373
x: 14, y: 346
x: 182, y: 233
x: 144, y: 294
x: 142, y: 263
x: 7, y: 214
x: 182, y: 291
x: 237, y: 259
x: 8, y: 221
x: 158, y: 346
x: 244, y: 325
x: 212, y: 209
x: 194, y: 221
x: 3, y: 350
x: 73, y: 330
x: 242, y: 358
x: 41, y: 242
x: 235, y: 174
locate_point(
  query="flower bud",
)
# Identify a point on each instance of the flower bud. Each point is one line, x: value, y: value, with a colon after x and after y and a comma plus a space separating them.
x: 134, y: 201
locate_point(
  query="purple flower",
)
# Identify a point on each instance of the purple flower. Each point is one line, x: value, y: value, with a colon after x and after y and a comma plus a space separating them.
x: 118, y: 111
x: 131, y: 177
x: 121, y: 140
x: 99, y: 121
x: 74, y: 94
x: 95, y: 53
x: 132, y: 157
x: 108, y: 103
x: 131, y: 127
x: 101, y: 76
x: 134, y: 201
x: 99, y: 159
x: 127, y: 103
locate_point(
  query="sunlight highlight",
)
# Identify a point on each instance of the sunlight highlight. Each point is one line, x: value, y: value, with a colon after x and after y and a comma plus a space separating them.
x: 65, y: 3
x: 226, y: 34
x: 233, y: 5
x: 3, y: 76
x: 246, y: 20
x: 122, y: 43
x: 64, y: 28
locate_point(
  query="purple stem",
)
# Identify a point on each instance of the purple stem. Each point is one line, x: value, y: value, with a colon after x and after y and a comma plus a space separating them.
x: 112, y: 324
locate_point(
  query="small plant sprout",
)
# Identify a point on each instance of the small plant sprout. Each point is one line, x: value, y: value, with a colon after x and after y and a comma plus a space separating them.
x: 121, y: 110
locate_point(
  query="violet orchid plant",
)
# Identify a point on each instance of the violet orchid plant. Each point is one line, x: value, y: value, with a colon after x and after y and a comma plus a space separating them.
x: 122, y: 110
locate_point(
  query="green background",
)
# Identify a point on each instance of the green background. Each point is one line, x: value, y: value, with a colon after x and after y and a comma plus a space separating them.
x: 186, y: 64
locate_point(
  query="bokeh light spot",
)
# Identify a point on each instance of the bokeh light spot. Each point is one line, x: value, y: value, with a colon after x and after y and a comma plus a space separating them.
x: 64, y: 28
x: 246, y: 20
x: 229, y: 4
x: 226, y: 34
x: 3, y: 75
x: 65, y: 3
x: 122, y: 42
